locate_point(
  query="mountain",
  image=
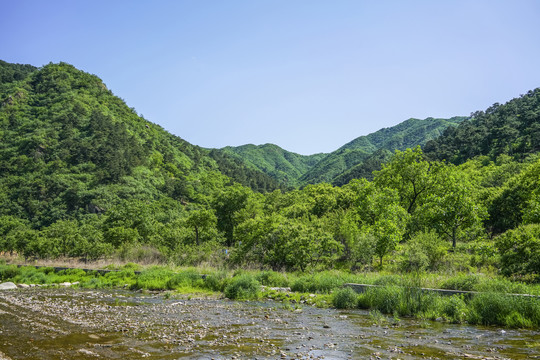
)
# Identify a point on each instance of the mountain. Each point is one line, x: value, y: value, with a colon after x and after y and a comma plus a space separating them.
x: 14, y: 72
x: 407, y: 134
x: 364, y: 169
x: 512, y: 129
x: 285, y: 166
x: 69, y: 147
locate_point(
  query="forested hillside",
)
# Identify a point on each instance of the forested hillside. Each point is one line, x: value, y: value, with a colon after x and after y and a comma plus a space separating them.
x: 13, y: 72
x: 83, y: 176
x: 512, y: 129
x: 285, y: 166
x: 70, y: 149
x: 407, y: 134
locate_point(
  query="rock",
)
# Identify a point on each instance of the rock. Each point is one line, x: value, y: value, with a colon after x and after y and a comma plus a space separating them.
x: 23, y: 286
x: 8, y: 286
x: 65, y: 284
x: 88, y: 352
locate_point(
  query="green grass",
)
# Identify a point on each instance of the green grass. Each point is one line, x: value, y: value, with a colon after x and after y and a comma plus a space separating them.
x: 398, y: 295
x: 243, y: 287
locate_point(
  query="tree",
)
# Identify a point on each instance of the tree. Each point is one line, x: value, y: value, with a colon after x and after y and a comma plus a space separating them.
x: 410, y: 175
x: 378, y: 212
x: 228, y: 206
x: 8, y: 225
x: 520, y: 251
x: 199, y: 220
x: 453, y: 210
x: 65, y: 236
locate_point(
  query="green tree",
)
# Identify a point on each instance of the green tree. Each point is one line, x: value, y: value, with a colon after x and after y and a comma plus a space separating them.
x: 378, y: 212
x: 8, y: 225
x: 228, y: 206
x: 411, y: 176
x: 65, y: 235
x: 453, y: 210
x: 199, y: 220
x: 520, y: 251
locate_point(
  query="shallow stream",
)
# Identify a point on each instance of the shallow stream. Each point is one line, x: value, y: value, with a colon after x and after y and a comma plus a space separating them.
x: 41, y: 323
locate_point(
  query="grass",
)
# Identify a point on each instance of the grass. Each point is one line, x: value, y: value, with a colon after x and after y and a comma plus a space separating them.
x: 399, y: 294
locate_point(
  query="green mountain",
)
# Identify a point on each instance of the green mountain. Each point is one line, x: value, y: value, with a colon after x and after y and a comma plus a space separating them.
x: 285, y: 166
x: 69, y: 147
x: 407, y: 134
x: 364, y: 169
x: 512, y: 129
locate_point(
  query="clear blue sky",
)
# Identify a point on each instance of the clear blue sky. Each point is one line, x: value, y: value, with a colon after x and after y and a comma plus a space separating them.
x: 308, y: 75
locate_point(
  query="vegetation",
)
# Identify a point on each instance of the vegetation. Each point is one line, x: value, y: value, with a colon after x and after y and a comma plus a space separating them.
x: 284, y: 166
x: 83, y: 176
x: 364, y: 154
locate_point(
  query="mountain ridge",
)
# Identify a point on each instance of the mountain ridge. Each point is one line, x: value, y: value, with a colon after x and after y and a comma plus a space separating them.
x: 348, y: 161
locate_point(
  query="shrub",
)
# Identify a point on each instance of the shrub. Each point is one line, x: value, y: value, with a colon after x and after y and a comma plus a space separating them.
x: 384, y: 299
x: 155, y: 278
x: 490, y: 309
x: 424, y: 250
x: 186, y: 278
x: 454, y: 309
x: 215, y: 282
x: 8, y: 272
x: 242, y: 287
x: 272, y: 278
x: 461, y: 282
x: 520, y: 250
x: 301, y: 285
x: 345, y: 298
x: 414, y: 257
x: 323, y: 283
x: 388, y: 280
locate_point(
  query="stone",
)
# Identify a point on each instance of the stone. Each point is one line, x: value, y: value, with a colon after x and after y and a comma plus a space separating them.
x: 8, y: 286
x: 23, y: 286
x: 66, y: 284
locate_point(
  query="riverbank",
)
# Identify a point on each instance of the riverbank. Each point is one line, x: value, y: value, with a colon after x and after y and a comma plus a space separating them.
x: 395, y: 295
x: 47, y: 323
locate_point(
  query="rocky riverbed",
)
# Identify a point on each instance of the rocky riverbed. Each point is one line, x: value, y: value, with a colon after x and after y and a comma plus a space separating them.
x: 38, y: 323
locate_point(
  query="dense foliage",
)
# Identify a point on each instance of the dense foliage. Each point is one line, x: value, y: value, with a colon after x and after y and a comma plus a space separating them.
x: 511, y: 129
x: 285, y: 166
x: 82, y: 175
x: 408, y: 134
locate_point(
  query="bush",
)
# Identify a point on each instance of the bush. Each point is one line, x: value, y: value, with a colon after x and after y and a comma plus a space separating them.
x: 215, y: 282
x: 345, y: 298
x: 490, y: 309
x: 323, y: 283
x: 243, y: 287
x: 388, y: 280
x: 155, y: 278
x: 414, y: 257
x: 462, y: 282
x: 425, y: 250
x: 384, y: 299
x: 8, y: 272
x: 520, y: 251
x: 454, y: 309
x: 272, y: 278
x: 186, y: 278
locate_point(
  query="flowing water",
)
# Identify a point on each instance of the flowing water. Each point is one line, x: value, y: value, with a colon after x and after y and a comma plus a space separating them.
x: 42, y: 323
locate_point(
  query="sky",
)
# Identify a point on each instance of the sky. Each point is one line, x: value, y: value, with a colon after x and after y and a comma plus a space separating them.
x: 307, y: 75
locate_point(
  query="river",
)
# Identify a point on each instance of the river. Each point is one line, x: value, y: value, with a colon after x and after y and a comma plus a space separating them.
x: 40, y: 323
